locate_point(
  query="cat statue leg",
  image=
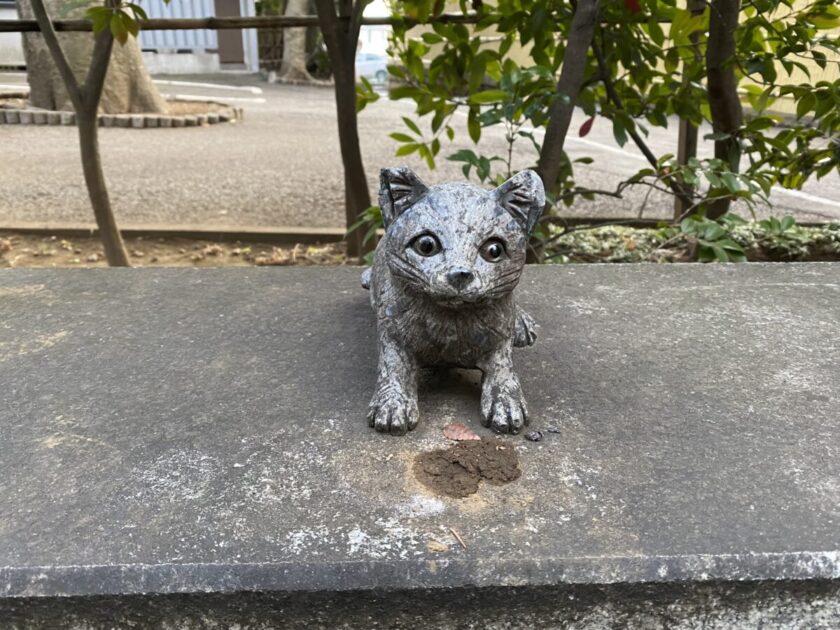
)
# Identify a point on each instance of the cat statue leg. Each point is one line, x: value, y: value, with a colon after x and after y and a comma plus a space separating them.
x: 393, y: 408
x: 502, y: 401
x: 524, y: 330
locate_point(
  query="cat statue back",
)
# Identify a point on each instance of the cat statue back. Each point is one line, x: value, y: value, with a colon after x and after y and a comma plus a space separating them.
x: 442, y: 288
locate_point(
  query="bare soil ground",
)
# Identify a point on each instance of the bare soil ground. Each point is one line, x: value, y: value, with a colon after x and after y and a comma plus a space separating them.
x: 604, y: 244
x: 27, y: 250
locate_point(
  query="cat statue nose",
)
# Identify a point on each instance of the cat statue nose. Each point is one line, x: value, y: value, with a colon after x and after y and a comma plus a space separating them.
x: 459, y: 277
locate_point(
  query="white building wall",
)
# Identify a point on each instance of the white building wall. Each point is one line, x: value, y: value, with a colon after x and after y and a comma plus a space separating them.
x: 247, y: 8
x: 11, y: 47
x: 374, y: 39
x: 172, y: 41
x: 161, y: 47
x: 185, y: 52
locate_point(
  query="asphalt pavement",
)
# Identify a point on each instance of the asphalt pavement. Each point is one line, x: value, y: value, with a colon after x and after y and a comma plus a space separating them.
x: 281, y: 166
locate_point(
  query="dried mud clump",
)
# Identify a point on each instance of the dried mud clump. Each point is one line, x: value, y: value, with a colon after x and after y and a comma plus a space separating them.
x: 458, y: 470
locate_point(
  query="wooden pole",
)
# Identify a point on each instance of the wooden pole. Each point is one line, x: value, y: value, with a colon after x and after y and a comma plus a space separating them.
x: 687, y: 138
x: 258, y: 21
x: 224, y: 23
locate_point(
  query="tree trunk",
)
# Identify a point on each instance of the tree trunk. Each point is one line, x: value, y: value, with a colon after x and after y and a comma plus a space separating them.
x: 112, y: 241
x: 727, y: 115
x: 293, y: 69
x: 341, y: 38
x: 688, y: 133
x: 84, y: 97
x: 568, y: 87
x: 356, y: 193
x: 128, y: 86
x: 581, y: 31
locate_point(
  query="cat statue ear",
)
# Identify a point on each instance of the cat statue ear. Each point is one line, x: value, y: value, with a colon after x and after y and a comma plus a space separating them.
x: 523, y: 196
x: 399, y: 189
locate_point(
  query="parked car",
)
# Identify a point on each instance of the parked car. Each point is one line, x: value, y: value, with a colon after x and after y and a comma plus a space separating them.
x: 372, y: 66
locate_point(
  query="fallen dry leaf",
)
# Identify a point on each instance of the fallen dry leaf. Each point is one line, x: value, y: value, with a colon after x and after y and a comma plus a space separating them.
x: 459, y: 431
x: 436, y: 546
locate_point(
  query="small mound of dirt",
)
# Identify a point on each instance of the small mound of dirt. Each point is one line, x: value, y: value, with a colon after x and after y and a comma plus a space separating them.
x: 13, y: 102
x: 189, y: 108
x: 458, y: 470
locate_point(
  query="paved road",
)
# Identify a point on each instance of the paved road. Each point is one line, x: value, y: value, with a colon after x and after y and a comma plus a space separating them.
x: 282, y: 165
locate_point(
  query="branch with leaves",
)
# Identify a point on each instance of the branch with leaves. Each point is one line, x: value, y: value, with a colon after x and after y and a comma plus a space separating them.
x: 661, y: 73
x: 113, y: 20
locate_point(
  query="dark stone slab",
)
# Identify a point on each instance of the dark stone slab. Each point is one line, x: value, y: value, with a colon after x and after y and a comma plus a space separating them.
x: 811, y: 605
x: 202, y: 431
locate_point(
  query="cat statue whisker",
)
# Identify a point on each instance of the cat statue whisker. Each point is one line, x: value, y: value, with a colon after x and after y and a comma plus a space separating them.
x: 442, y: 285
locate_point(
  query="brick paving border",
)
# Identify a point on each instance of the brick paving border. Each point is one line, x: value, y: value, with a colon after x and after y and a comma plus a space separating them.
x: 30, y: 116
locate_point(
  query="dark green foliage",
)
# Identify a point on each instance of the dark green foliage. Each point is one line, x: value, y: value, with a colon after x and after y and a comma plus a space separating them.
x: 653, y: 54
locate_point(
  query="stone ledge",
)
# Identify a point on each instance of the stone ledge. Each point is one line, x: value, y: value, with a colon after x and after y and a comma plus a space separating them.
x: 814, y: 605
x: 183, y: 431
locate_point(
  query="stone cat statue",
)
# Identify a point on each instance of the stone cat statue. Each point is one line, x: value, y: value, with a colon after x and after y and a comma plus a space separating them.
x: 442, y: 285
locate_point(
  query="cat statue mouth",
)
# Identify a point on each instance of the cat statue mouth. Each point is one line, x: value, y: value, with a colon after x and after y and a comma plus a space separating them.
x: 459, y: 300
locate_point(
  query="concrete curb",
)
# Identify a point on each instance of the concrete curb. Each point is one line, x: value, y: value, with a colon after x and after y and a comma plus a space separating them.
x: 30, y: 116
x: 281, y: 234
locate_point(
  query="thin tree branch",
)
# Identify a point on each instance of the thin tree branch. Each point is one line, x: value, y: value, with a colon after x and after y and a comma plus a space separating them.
x: 328, y: 22
x: 98, y: 70
x: 569, y: 85
x: 57, y: 53
x: 637, y: 139
x: 358, y: 10
x: 616, y: 99
x: 722, y: 85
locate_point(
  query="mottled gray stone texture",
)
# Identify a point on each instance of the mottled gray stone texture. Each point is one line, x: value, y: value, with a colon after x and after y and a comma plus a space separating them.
x: 805, y: 605
x: 202, y: 431
x: 441, y: 286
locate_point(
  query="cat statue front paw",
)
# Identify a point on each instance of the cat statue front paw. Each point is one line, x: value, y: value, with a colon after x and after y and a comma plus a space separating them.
x: 392, y: 411
x: 503, y: 409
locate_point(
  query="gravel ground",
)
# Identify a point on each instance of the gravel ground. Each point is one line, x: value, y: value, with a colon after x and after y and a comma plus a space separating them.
x: 281, y: 166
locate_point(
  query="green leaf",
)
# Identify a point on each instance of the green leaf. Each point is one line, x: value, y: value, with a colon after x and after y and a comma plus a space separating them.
x: 477, y: 72
x: 118, y: 29
x: 825, y: 23
x: 404, y: 91
x: 431, y: 38
x: 720, y: 253
x: 401, y: 137
x: 718, y: 135
x: 407, y: 149
x: 100, y: 17
x: 713, y: 232
x: 464, y: 155
x: 805, y: 104
x: 787, y: 222
x: 488, y: 96
x: 139, y: 12
x: 730, y: 180
x: 655, y: 31
x: 130, y: 24
x: 619, y: 132
x: 473, y: 125
x: 412, y: 125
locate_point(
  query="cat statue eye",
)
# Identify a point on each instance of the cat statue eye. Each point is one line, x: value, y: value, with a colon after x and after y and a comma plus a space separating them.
x: 493, y: 250
x: 426, y: 245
